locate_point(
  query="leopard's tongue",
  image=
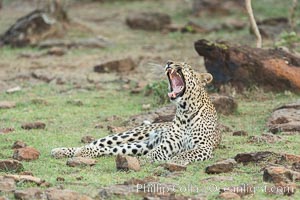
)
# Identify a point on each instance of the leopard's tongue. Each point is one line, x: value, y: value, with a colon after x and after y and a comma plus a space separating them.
x: 175, y: 91
x: 177, y: 86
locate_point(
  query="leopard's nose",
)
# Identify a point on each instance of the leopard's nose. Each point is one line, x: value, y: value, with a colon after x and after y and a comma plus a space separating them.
x: 168, y: 64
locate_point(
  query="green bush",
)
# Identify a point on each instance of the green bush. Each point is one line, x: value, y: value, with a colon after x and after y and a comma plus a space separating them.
x: 159, y: 90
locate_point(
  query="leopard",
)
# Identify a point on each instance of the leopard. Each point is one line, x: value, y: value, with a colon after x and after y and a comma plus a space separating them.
x: 191, y: 136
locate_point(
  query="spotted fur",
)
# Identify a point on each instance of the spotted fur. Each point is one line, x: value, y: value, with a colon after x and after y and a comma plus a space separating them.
x: 191, y: 136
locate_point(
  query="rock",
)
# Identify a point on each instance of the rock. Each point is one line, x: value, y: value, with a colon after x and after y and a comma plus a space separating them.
x: 285, y: 118
x: 265, y: 137
x: 87, y: 139
x: 120, y: 65
x: 99, y: 126
x: 58, y: 194
x: 19, y: 144
x: 242, y: 66
x: 221, y: 167
x: 80, y: 161
x: 126, y: 163
x: 43, y: 75
x: 25, y: 178
x: 7, y: 184
x: 75, y: 102
x: 33, y: 27
x: 26, y: 154
x: 7, y: 104
x: 11, y: 165
x: 241, y: 190
x: 239, y: 133
x: 277, y: 174
x: 260, y: 156
x: 60, y: 179
x: 146, y: 106
x: 6, y: 130
x: 224, y: 104
x: 13, y: 90
x: 56, y: 51
x: 290, y: 158
x: 229, y: 195
x: 29, y: 194
x: 281, y: 189
x: 173, y: 167
x: 33, y: 125
x: 151, y: 21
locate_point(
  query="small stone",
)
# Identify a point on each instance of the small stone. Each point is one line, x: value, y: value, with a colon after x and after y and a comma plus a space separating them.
x: 120, y: 65
x: 19, y: 144
x: 146, y: 106
x: 260, y: 156
x: 7, y: 184
x: 26, y: 154
x: 6, y: 130
x: 75, y: 102
x: 99, y: 126
x: 290, y: 158
x: 11, y: 165
x: 221, y: 167
x: 87, y: 139
x: 241, y: 190
x: 240, y: 133
x: 173, y: 167
x: 13, y: 90
x: 34, y: 125
x: 127, y: 163
x: 229, y: 195
x: 280, y: 174
x: 79, y: 178
x: 80, y: 161
x: 7, y: 104
x: 29, y: 194
x: 60, y: 179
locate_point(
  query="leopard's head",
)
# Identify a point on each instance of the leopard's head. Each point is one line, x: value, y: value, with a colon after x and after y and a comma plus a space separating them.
x: 184, y: 82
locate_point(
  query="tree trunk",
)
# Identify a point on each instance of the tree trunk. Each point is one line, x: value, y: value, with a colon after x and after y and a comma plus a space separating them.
x: 244, y: 67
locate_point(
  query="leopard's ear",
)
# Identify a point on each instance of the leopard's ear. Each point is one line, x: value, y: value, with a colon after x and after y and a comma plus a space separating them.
x: 205, y: 78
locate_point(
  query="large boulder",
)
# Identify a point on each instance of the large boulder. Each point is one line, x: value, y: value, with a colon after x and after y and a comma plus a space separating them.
x: 285, y: 118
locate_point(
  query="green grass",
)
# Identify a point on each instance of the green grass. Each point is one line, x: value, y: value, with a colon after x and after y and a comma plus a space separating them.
x: 67, y: 123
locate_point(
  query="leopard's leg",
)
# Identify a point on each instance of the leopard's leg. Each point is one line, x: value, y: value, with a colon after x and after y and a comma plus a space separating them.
x: 105, y: 145
x: 200, y: 153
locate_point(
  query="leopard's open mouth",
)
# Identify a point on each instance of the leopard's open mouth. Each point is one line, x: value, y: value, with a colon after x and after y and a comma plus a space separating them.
x: 176, y: 83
